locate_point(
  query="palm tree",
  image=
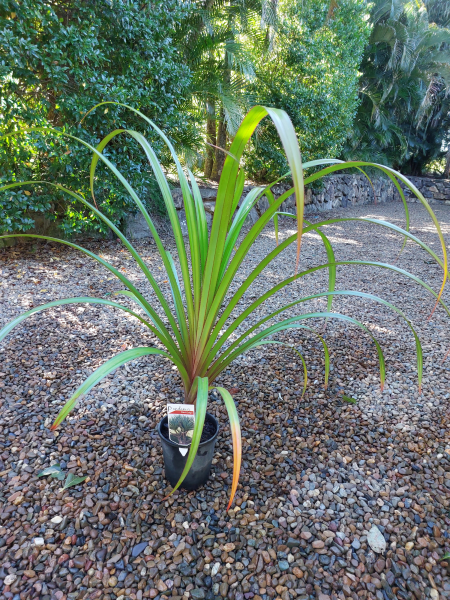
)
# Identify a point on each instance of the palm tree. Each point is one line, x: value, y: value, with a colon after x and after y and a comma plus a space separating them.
x: 218, y: 37
x: 404, y: 112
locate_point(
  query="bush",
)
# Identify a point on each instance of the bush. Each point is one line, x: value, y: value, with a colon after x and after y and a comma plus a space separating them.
x: 56, y: 61
x: 312, y: 74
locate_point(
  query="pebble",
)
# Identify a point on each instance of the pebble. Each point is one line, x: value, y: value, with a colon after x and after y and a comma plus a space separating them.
x: 79, y: 561
x: 318, y: 475
x: 138, y: 549
x: 56, y: 520
x: 376, y: 540
x: 39, y: 541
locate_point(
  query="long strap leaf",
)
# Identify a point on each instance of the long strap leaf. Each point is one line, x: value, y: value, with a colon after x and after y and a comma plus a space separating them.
x: 236, y: 437
x: 226, y: 335
x: 330, y: 256
x: 78, y: 300
x: 264, y: 342
x: 201, y: 223
x: 168, y: 199
x: 236, y: 226
x: 268, y: 214
x: 271, y: 200
x: 272, y: 255
x: 221, y: 364
x: 225, y: 195
x: 161, y: 331
x: 235, y: 262
x: 102, y: 372
x: 240, y: 182
x: 386, y: 171
x: 162, y: 182
x: 337, y: 293
x: 123, y: 239
x: 222, y: 210
x: 414, y: 190
x: 194, y: 235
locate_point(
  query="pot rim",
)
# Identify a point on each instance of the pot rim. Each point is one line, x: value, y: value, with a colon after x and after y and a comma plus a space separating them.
x: 169, y: 441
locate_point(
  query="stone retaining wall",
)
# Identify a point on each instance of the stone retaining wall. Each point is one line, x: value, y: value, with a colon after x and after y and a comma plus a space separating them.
x: 338, y: 191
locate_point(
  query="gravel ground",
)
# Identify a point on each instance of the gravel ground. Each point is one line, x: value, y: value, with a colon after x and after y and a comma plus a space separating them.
x: 319, y: 475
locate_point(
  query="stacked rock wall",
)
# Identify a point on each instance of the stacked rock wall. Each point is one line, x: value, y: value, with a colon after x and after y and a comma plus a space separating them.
x: 337, y: 191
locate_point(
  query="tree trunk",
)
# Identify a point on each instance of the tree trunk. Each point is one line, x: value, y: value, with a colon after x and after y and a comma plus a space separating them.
x: 447, y: 165
x: 221, y: 127
x: 221, y: 143
x: 210, y: 138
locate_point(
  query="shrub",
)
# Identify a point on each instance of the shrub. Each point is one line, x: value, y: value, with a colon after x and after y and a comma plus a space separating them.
x: 312, y: 74
x: 58, y: 59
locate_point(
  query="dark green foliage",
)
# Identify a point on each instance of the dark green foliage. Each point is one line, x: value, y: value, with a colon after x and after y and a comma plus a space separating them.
x: 312, y: 73
x: 57, y: 60
x: 404, y: 118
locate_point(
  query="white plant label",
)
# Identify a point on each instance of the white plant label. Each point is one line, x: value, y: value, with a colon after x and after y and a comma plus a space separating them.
x: 181, y: 419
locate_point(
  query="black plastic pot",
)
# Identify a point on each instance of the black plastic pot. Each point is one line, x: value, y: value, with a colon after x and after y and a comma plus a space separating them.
x: 175, y: 457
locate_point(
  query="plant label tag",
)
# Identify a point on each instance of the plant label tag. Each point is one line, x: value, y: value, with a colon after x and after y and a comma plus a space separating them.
x: 181, y: 419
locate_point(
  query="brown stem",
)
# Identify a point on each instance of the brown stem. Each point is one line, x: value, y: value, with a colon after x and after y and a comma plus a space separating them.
x: 210, y: 138
x: 221, y: 143
x: 447, y: 165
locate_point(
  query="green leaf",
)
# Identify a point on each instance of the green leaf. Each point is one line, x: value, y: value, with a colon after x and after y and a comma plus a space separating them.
x: 149, y: 310
x: 228, y: 356
x: 105, y: 370
x: 54, y: 470
x: 236, y: 436
x: 164, y: 337
x: 348, y: 399
x: 73, y: 480
x: 414, y: 190
x: 240, y: 182
x: 82, y: 300
x: 168, y: 199
x: 271, y: 200
x: 201, y: 221
x: 264, y: 342
x: 236, y: 226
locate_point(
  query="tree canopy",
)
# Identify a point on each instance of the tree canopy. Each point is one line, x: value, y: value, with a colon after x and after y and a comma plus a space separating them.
x: 404, y: 116
x: 312, y: 73
x: 358, y: 79
x: 60, y: 58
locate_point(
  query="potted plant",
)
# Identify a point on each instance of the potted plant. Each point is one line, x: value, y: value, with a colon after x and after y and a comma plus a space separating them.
x: 196, y: 335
